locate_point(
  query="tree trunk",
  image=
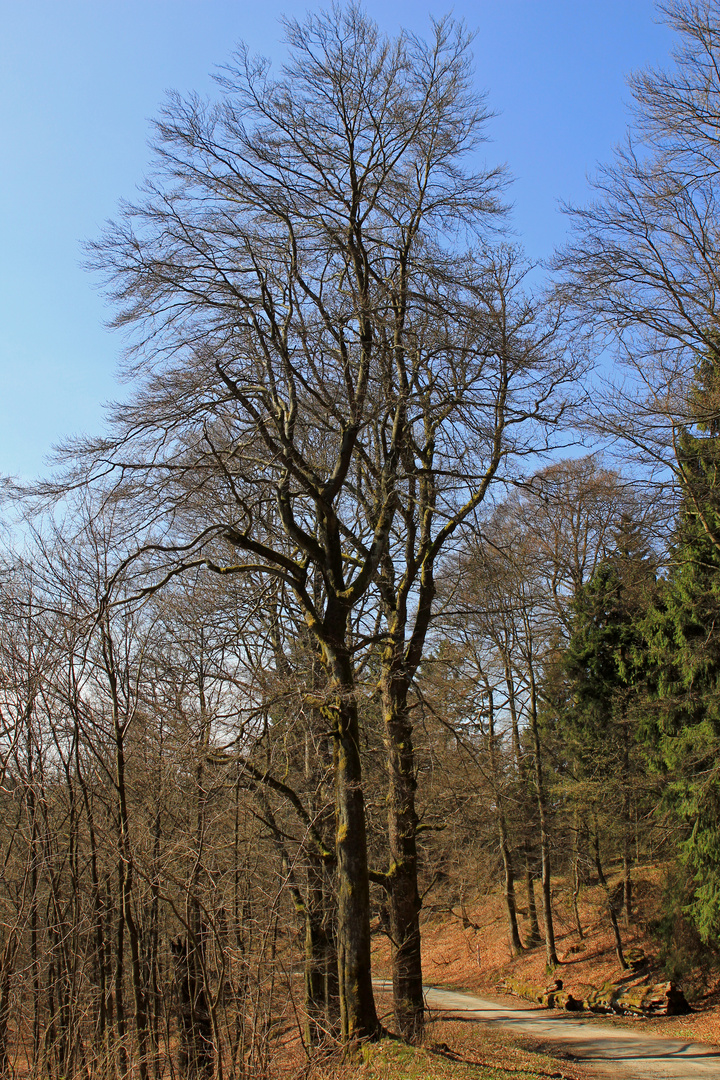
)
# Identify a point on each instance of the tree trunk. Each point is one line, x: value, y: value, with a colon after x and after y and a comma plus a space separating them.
x: 627, y: 826
x: 521, y: 769
x: 510, y: 903
x: 404, y: 899
x: 125, y: 875
x: 611, y: 910
x: 535, y: 936
x: 120, y: 1021
x: 550, y: 949
x: 357, y: 1005
x: 576, y: 876
x: 627, y: 883
x: 321, y: 983
x: 321, y: 991
x: 315, y: 956
x: 515, y: 942
x: 196, y: 1058
x: 7, y: 967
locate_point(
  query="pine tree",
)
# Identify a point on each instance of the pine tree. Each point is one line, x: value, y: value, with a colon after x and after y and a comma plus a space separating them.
x: 683, y: 630
x: 604, y: 675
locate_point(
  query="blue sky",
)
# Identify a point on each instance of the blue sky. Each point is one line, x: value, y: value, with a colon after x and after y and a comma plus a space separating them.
x: 80, y: 82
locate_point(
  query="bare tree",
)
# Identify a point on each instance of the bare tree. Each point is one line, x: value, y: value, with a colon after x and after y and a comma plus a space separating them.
x: 470, y: 430
x: 508, y: 599
x: 642, y: 266
x: 296, y: 243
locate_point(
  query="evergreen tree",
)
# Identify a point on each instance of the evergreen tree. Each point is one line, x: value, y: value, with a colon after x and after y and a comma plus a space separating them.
x: 602, y: 672
x: 683, y: 630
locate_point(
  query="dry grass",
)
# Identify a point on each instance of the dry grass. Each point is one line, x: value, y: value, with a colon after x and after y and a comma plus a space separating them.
x: 464, y: 1056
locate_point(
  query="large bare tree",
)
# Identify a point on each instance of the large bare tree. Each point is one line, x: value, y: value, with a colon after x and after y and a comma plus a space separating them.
x: 642, y: 265
x: 331, y: 367
x: 296, y: 243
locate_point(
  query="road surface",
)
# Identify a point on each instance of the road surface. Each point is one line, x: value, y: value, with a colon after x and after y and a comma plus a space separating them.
x: 619, y: 1052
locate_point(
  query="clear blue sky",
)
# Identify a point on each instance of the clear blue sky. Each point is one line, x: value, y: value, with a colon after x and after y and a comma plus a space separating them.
x: 81, y: 79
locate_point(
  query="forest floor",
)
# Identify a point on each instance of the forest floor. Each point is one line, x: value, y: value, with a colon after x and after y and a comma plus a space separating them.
x: 465, y: 948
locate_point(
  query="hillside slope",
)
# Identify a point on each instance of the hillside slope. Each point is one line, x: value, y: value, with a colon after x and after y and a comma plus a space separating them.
x: 465, y: 947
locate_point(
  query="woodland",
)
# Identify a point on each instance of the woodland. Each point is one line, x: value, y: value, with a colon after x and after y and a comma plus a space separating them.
x: 400, y: 557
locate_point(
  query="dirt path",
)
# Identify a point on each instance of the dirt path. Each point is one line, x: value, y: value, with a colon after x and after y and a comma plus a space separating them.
x: 624, y: 1054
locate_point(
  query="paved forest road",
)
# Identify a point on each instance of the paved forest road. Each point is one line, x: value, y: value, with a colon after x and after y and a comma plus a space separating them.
x: 622, y: 1053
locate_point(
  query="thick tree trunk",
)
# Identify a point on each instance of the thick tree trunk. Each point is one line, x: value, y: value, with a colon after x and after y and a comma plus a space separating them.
x: 404, y: 898
x: 357, y: 1005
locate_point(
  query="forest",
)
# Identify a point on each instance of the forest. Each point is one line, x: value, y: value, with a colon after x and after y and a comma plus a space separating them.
x: 397, y: 569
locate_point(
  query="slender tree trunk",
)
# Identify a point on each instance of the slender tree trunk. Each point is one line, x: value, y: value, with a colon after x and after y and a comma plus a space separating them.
x: 576, y: 875
x: 535, y: 936
x: 512, y: 706
x: 321, y: 996
x: 627, y: 882
x: 120, y: 1019
x: 332, y: 984
x: 125, y: 872
x: 611, y: 910
x: 550, y: 949
x: 34, y: 856
x: 7, y: 967
x: 321, y: 987
x: 100, y: 966
x: 510, y: 902
x: 627, y: 827
x: 196, y: 1056
x: 197, y: 1026
x: 153, y: 973
x: 510, y: 905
